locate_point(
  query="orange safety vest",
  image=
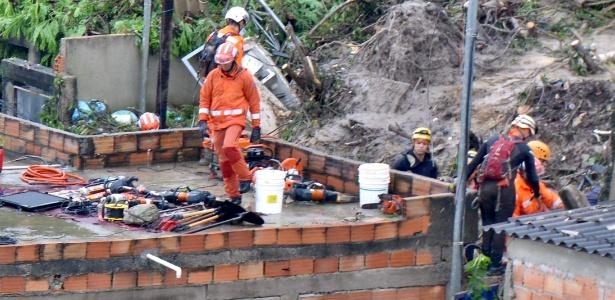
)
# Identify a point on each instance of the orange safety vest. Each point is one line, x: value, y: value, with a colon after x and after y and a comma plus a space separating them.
x: 234, y: 38
x: 226, y: 98
x: 525, y: 204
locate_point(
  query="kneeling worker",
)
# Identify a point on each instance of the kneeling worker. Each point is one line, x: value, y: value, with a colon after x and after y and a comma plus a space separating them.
x: 418, y: 159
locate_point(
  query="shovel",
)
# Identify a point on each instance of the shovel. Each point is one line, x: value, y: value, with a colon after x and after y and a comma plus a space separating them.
x: 226, y: 208
x: 171, y: 224
x: 246, y: 216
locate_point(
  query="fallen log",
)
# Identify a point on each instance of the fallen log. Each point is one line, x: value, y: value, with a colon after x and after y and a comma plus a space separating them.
x: 592, y: 65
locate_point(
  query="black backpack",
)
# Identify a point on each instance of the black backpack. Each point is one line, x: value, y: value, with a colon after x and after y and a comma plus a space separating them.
x: 206, y: 61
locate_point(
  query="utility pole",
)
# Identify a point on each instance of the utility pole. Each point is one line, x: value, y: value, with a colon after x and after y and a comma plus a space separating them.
x: 163, y: 65
x: 462, y: 160
x: 147, y: 16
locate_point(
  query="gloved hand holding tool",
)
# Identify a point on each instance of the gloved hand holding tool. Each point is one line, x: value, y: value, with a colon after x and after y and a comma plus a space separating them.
x: 256, y: 135
x: 203, y: 129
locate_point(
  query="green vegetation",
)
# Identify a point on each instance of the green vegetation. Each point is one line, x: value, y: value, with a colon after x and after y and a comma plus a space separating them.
x: 476, y: 269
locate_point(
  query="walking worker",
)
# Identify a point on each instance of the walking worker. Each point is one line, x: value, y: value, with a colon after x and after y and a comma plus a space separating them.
x: 236, y: 21
x: 525, y: 203
x: 227, y: 96
x: 418, y: 159
x: 498, y: 160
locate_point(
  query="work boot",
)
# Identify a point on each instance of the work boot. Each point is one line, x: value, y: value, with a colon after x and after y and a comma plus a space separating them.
x: 244, y: 186
x: 236, y: 200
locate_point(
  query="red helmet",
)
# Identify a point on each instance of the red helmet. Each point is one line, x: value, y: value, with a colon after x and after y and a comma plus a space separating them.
x: 225, y: 53
x: 149, y: 121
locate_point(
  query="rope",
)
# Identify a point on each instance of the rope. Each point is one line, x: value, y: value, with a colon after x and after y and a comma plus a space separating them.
x: 37, y: 174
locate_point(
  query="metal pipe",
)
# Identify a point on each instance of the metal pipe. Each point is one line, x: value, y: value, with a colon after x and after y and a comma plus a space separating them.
x: 147, y: 16
x: 460, y: 191
x: 178, y: 270
x: 273, y: 15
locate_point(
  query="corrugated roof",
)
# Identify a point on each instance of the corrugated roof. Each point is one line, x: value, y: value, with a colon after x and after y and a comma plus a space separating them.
x: 589, y: 229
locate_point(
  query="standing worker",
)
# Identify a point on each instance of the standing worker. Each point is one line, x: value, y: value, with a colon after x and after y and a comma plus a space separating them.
x: 499, y: 159
x: 418, y: 159
x: 526, y: 204
x: 229, y: 92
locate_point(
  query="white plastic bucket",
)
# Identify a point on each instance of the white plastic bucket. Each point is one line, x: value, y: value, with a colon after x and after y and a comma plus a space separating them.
x: 374, y: 180
x: 269, y: 190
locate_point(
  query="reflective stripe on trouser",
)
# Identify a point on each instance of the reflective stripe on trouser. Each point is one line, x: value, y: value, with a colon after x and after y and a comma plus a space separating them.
x: 233, y: 170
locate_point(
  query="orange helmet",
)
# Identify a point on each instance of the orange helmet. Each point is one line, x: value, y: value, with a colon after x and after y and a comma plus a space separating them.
x: 225, y: 53
x: 149, y: 121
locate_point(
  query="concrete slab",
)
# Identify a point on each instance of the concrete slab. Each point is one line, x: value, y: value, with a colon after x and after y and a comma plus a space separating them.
x: 56, y: 226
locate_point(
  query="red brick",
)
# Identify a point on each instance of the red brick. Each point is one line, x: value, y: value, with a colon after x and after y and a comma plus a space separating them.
x: 350, y: 170
x: 241, y: 239
x: 265, y: 236
x: 522, y: 294
x: 192, y: 243
x: 277, y: 268
x: 352, y: 263
x: 26, y: 132
x: 41, y: 136
x: 401, y: 184
x: 76, y: 283
x: 336, y: 183
x: 224, y: 273
x: 333, y: 166
x: 15, y: 144
x: 71, y: 145
x: 303, y: 266
x: 7, y: 254
x: 74, y: 251
x: 104, y: 145
x: 414, y: 226
x: 289, y: 236
x: 124, y: 280
x: 11, y: 127
x: 320, y: 178
x: 336, y: 296
x: 170, y: 279
x: 37, y: 285
x: 436, y: 292
x: 590, y: 287
x: 12, y: 284
x: 300, y: 154
x: 424, y: 257
x: 93, y: 163
x: 420, y: 187
x: 413, y: 293
x: 418, y: 208
x: 517, y: 274
x: 192, y: 139
x: 51, y: 251
x: 138, y: 158
x: 283, y: 152
x: 144, y: 244
x: 541, y: 296
x: 215, y: 241
x: 120, y: 248
x: 201, y: 276
x: 326, y: 265
x: 27, y: 253
x: 351, y: 188
x: 63, y: 157
x: 572, y: 289
x: 385, y: 231
x: 533, y: 279
x: 554, y: 285
x: 148, y: 141
x: 377, y: 260
x: 338, y: 234
x: 402, y: 258
x: 99, y: 281
x: 171, y: 140
x: 98, y: 250
x: 362, y: 233
x: 609, y: 294
x: 149, y: 278
x: 56, y: 140
x: 313, y: 235
x: 315, y: 162
x: 165, y: 156
x: 252, y: 270
x: 190, y: 153
x: 169, y: 244
x: 362, y: 295
x: 125, y: 143
x: 310, y: 297
x: 389, y: 294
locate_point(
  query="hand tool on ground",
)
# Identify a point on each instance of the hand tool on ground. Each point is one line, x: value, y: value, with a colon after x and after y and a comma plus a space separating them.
x: 183, y: 207
x: 247, y: 216
x: 226, y: 209
x: 171, y: 224
x: 115, y: 185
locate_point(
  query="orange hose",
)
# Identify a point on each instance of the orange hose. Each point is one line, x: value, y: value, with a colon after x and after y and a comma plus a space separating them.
x: 37, y: 174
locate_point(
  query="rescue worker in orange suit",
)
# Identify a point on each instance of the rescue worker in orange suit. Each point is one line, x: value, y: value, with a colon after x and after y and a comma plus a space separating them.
x: 228, y: 95
x: 496, y: 197
x: 526, y: 204
x: 418, y: 159
x: 236, y: 21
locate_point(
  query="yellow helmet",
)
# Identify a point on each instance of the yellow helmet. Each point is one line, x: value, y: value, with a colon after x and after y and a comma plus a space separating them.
x: 540, y: 150
x: 422, y: 133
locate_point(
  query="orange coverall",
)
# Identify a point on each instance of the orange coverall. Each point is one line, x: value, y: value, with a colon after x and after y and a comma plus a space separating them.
x: 224, y: 101
x: 525, y: 205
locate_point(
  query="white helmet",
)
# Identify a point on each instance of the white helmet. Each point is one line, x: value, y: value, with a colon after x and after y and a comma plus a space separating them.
x: 525, y: 121
x: 237, y: 14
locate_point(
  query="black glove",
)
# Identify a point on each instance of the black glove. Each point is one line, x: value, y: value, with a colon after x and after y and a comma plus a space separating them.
x: 256, y: 135
x: 203, y: 129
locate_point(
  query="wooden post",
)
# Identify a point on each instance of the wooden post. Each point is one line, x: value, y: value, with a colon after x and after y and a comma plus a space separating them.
x: 162, y: 91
